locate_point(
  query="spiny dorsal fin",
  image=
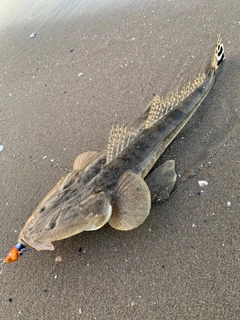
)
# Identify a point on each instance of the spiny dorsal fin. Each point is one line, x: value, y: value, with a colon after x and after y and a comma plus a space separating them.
x: 160, y: 107
x: 119, y: 139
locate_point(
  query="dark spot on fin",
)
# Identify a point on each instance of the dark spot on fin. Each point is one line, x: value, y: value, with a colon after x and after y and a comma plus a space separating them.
x: 220, y: 50
x: 42, y: 209
x: 218, y: 55
x: 220, y: 61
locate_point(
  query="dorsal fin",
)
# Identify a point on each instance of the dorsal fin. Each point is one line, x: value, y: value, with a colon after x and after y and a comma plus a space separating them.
x: 160, y: 107
x: 119, y: 139
x: 155, y: 111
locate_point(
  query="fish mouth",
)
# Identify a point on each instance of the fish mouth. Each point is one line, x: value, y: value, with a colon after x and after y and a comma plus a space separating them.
x: 37, y: 245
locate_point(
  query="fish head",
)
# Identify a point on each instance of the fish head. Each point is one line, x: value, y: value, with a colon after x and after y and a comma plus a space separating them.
x: 68, y: 209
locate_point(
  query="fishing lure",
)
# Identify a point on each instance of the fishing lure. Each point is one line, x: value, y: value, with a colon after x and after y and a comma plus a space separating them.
x: 13, y: 255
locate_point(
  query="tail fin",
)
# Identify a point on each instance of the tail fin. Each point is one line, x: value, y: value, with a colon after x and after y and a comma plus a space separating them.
x: 218, y: 55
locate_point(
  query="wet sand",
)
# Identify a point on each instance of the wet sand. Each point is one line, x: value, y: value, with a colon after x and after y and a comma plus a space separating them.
x: 88, y: 68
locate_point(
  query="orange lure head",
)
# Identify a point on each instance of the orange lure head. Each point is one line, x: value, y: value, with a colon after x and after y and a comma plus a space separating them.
x: 14, y: 254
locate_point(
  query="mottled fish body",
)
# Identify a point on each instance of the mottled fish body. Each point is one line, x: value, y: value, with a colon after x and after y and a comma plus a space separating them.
x: 110, y: 186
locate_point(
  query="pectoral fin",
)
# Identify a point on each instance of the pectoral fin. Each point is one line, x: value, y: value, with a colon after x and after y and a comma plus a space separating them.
x: 161, y: 181
x: 84, y: 159
x: 131, y: 202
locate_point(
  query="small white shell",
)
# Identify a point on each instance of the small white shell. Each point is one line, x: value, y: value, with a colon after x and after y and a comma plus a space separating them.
x: 58, y: 259
x: 202, y: 183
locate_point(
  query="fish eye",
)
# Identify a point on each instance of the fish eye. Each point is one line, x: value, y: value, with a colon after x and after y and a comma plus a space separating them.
x: 51, y: 225
x: 42, y: 209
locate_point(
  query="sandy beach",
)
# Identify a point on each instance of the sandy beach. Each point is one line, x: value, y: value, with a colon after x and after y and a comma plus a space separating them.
x: 86, y: 67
